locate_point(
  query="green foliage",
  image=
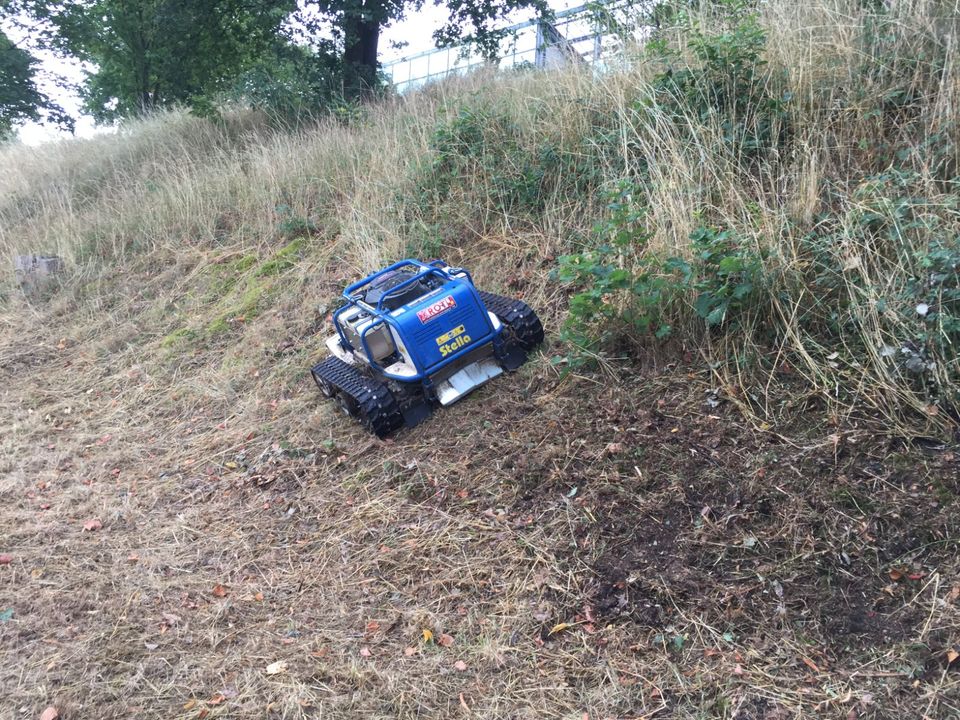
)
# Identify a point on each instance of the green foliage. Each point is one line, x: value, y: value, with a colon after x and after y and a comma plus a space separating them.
x: 625, y: 292
x: 482, y: 141
x: 730, y: 83
x: 291, y: 84
x: 481, y: 147
x: 939, y: 290
x: 292, y: 225
x: 726, y: 275
x: 356, y: 25
x: 20, y: 100
x: 156, y: 53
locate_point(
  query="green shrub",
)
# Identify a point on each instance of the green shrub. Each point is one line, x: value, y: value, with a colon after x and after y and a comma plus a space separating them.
x: 729, y: 83
x: 625, y: 292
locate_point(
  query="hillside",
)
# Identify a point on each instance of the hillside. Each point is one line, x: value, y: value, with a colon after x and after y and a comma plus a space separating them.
x: 726, y: 486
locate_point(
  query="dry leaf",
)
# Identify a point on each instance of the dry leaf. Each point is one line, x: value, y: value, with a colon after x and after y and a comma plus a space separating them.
x: 810, y: 664
x: 92, y: 525
x: 952, y: 656
x: 559, y: 627
x: 373, y: 626
x: 258, y: 597
x: 427, y: 635
x: 896, y: 575
x: 133, y: 557
x: 446, y: 640
x: 219, y: 590
x: 365, y: 651
x: 275, y: 668
x: 5, y: 559
x: 190, y: 704
x: 217, y: 699
x: 51, y: 713
x: 409, y: 651
x: 460, y: 665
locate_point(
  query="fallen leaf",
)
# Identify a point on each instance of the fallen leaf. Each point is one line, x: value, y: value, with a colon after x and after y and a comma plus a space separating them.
x: 51, y: 713
x: 559, y: 627
x: 275, y: 668
x: 373, y: 626
x: 427, y: 635
x: 5, y: 559
x: 258, y: 597
x: 952, y: 656
x: 896, y: 575
x: 216, y: 699
x: 92, y: 525
x: 190, y: 704
x: 133, y: 557
x: 460, y: 665
x: 219, y: 591
x: 365, y: 651
x: 410, y: 651
x: 202, y: 714
x: 446, y: 640
x: 463, y: 704
x: 810, y: 664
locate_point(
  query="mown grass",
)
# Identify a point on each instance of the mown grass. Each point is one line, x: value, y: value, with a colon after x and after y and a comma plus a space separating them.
x: 750, y: 516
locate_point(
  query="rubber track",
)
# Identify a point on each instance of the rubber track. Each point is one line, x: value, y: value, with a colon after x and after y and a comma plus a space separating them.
x: 517, y: 315
x: 379, y: 411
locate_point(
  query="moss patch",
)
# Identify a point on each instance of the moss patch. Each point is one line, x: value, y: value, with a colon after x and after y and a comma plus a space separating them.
x: 284, y: 259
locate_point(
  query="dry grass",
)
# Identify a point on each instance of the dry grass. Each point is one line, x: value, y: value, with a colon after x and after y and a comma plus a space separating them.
x: 706, y: 565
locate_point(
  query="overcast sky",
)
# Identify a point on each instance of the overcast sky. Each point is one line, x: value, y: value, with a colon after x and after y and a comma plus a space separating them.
x: 416, y: 31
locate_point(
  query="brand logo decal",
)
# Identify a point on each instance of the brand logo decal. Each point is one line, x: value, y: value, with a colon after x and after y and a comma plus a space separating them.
x: 434, y: 309
x: 454, y: 340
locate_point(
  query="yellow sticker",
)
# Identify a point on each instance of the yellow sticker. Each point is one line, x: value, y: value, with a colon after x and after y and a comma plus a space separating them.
x: 448, y: 336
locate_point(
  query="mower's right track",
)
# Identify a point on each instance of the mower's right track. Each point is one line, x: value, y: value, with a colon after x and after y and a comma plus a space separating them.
x: 525, y: 327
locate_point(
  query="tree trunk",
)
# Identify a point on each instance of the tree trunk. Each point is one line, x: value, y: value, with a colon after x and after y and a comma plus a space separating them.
x: 361, y: 37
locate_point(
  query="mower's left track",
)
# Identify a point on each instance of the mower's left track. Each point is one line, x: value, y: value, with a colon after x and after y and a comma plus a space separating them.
x: 359, y: 396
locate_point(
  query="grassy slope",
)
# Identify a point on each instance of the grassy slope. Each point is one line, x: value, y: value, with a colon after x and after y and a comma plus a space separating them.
x: 711, y: 562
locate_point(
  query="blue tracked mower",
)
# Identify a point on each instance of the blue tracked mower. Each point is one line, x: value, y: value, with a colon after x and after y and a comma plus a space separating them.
x: 416, y: 335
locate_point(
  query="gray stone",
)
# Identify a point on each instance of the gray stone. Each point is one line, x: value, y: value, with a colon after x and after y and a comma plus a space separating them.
x: 35, y: 271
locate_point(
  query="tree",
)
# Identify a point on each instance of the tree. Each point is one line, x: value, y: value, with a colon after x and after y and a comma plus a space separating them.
x: 20, y: 100
x: 153, y: 53
x: 357, y: 24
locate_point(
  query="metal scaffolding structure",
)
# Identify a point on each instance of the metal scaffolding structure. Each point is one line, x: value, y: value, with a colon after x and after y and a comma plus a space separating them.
x: 570, y: 36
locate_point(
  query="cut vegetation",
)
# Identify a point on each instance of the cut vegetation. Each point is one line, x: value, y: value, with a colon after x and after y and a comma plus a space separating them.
x: 727, y: 486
